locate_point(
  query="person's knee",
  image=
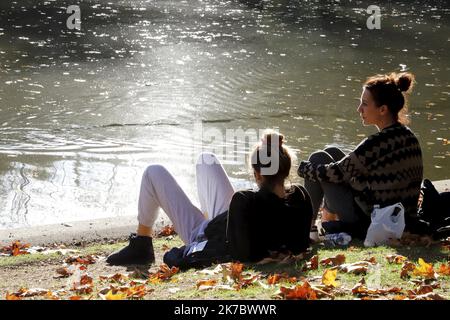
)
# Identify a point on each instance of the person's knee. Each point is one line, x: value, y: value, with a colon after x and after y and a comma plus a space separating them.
x: 336, y: 153
x: 207, y: 158
x: 155, y: 171
x: 320, y: 157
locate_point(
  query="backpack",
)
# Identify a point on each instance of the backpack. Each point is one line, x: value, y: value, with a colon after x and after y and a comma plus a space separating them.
x: 433, y: 215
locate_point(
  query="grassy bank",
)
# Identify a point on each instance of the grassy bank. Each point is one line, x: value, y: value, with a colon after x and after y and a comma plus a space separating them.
x: 279, y: 278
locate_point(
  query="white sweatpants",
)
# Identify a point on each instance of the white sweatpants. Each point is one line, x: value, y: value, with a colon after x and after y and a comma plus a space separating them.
x: 159, y: 189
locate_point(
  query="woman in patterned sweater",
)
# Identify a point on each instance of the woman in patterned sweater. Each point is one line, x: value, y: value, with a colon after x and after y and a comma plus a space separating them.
x: 385, y: 168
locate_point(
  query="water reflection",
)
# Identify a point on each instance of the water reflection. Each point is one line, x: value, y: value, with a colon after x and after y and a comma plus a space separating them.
x: 83, y: 112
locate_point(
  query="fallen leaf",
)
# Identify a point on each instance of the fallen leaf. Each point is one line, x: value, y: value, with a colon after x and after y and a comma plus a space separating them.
x: 425, y: 269
x: 15, y: 249
x: 75, y: 298
x: 329, y: 278
x: 81, y: 260
x: 276, y: 278
x: 236, y: 271
x: 406, y: 268
x: 163, y: 274
x: 32, y: 292
x: 399, y: 297
x: 84, y: 289
x: 65, y: 272
x: 423, y: 289
x: 115, y: 296
x: 118, y: 278
x: 333, y: 261
x: 86, y: 280
x: 359, y: 267
x: 167, y: 231
x: 413, y: 240
x: 429, y: 296
x: 395, y: 258
x: 299, y: 292
x: 136, y: 292
x: 372, y: 260
x: 12, y: 296
x: 52, y: 296
x: 217, y: 270
x: 361, y: 289
x: 444, y: 269
x: 312, y: 264
x: 247, y: 281
x: 206, y: 284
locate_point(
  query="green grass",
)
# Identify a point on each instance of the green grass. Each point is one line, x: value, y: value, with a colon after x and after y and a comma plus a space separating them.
x: 384, y: 274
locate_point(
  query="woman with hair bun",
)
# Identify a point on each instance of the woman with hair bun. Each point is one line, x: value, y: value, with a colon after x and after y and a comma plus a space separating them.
x: 385, y: 168
x: 243, y: 226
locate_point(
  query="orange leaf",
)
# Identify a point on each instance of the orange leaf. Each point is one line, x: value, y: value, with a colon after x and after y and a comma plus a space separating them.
x: 312, y: 264
x: 167, y: 231
x: 444, y: 269
x: 333, y: 261
x: 75, y: 298
x: 236, y: 271
x: 15, y: 249
x: 299, y: 292
x: 163, y: 274
x: 329, y: 278
x: 137, y: 291
x: 118, y: 277
x: 204, y: 284
x: 86, y: 280
x: 360, y: 289
x: 12, y: 296
x: 276, y: 278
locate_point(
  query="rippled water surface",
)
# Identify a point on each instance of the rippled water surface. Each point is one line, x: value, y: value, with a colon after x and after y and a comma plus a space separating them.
x: 82, y: 113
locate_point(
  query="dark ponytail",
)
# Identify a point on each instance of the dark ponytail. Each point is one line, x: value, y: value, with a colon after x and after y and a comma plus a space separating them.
x: 264, y: 147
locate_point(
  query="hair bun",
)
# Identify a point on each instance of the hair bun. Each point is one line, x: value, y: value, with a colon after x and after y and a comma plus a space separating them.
x: 267, y: 138
x: 404, y: 81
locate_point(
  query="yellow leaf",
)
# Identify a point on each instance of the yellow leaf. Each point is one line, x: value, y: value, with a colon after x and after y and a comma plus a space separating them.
x: 329, y: 278
x: 424, y: 269
x: 118, y: 296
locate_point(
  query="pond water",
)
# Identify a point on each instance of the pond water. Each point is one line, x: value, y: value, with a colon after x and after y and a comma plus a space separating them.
x: 83, y: 112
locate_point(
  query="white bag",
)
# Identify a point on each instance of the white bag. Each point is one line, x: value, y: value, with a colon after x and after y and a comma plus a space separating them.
x: 387, y: 223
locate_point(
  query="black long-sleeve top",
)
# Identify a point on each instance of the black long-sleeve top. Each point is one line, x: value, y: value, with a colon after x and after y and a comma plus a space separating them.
x: 260, y: 222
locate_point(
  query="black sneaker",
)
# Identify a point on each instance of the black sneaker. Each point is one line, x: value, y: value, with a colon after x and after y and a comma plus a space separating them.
x: 138, y: 251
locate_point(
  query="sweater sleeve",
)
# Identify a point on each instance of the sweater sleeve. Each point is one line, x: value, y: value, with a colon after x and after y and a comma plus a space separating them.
x: 352, y: 165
